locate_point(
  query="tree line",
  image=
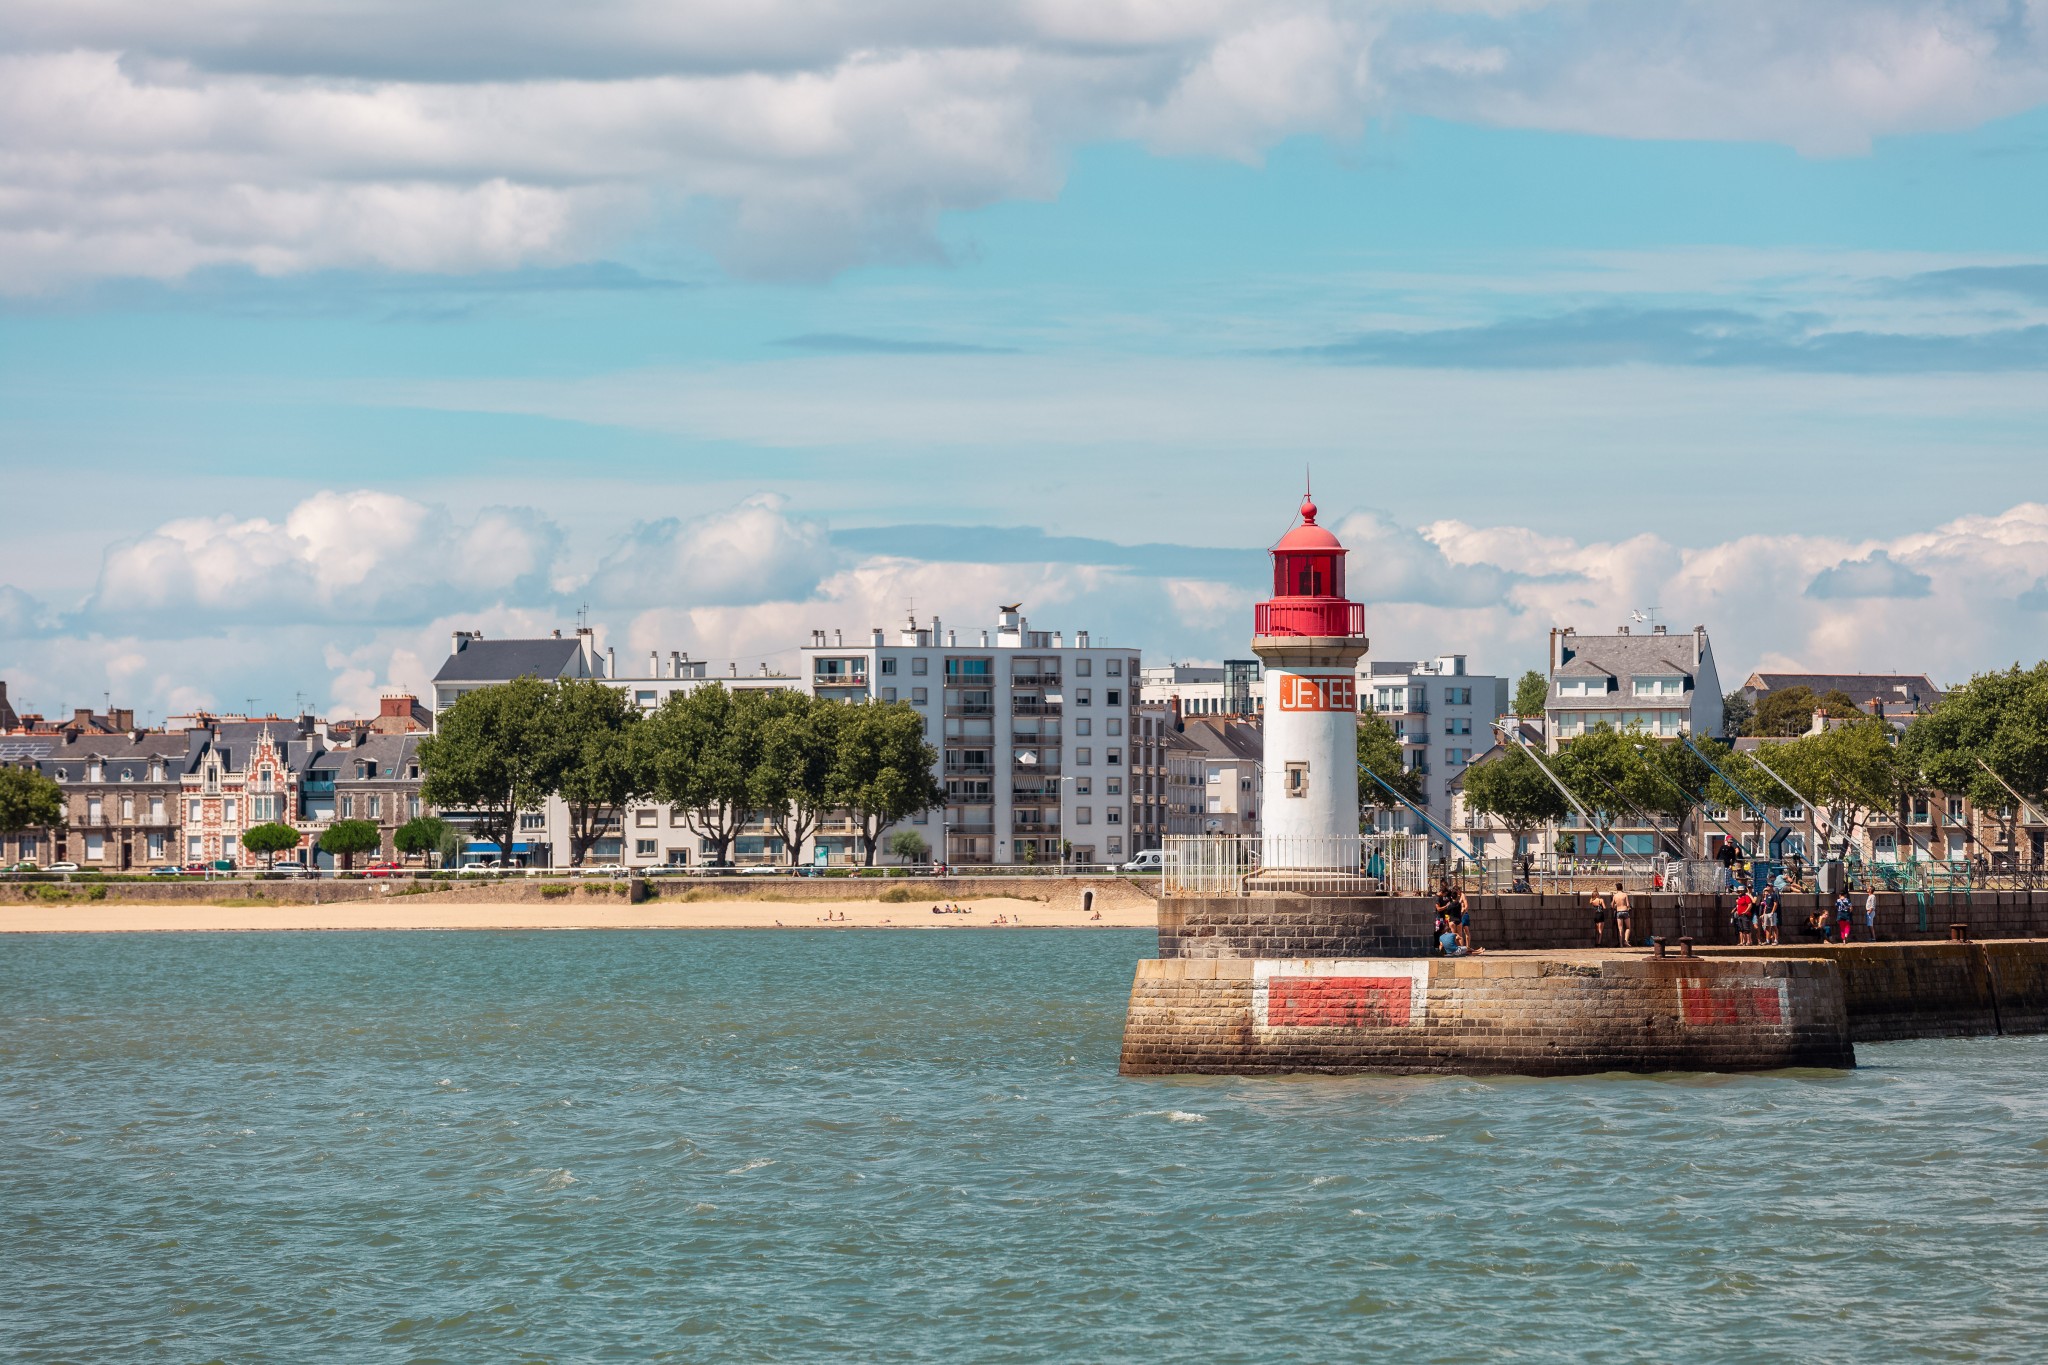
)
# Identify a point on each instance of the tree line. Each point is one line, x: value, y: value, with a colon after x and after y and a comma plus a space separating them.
x: 722, y: 758
x: 1986, y: 741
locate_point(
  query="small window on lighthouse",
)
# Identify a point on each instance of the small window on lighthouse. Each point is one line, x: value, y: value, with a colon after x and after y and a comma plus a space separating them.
x: 1297, y: 779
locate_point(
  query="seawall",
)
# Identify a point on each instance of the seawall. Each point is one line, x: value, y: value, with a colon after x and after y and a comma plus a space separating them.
x: 1508, y: 1014
x: 1932, y: 990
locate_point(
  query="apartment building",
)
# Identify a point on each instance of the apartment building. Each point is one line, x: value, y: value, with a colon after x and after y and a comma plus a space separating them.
x: 1035, y: 732
x: 1443, y: 715
x: 375, y: 778
x: 1229, y: 689
x: 1665, y: 685
x: 120, y: 799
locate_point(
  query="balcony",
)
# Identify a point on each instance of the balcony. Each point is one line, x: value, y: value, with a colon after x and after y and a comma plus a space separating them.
x: 970, y: 798
x: 1046, y: 767
x: 970, y: 770
x: 1027, y: 829
x: 970, y: 708
x: 1309, y: 617
x: 1023, y: 706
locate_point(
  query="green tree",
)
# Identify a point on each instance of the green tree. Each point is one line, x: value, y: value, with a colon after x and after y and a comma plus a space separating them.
x: 596, y: 772
x: 1532, y: 692
x: 1783, y: 714
x: 882, y: 769
x: 344, y: 839
x: 1736, y: 711
x: 492, y: 756
x: 909, y: 846
x: 269, y: 840
x: 1510, y: 787
x: 1611, y: 771
x: 28, y: 800
x: 791, y: 785
x: 421, y: 835
x: 698, y: 751
x: 1837, y: 704
x: 1379, y: 755
x: 1846, y: 772
x: 1996, y: 720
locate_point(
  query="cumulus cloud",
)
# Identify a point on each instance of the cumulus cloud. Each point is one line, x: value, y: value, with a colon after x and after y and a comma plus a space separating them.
x: 755, y: 552
x: 21, y: 615
x: 358, y: 556
x: 797, y: 137
x: 1875, y: 575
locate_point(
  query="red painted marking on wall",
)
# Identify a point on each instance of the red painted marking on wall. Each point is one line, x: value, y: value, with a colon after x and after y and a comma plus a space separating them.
x: 1703, y: 1004
x: 1339, y: 1001
x: 1298, y: 693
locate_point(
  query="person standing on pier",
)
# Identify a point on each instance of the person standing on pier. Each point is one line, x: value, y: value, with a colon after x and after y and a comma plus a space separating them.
x: 1870, y: 916
x: 1624, y: 917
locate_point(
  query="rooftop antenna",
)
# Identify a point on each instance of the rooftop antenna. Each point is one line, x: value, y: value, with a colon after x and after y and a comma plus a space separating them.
x: 583, y: 616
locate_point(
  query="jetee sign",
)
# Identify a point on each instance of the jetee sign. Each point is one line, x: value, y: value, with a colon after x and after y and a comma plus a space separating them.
x: 1300, y: 693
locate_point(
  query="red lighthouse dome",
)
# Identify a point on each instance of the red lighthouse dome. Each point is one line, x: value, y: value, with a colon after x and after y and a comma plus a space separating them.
x: 1308, y: 586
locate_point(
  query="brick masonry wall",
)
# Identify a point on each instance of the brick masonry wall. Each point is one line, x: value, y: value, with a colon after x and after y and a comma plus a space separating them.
x: 1477, y: 1016
x: 1559, y: 921
x: 1288, y: 926
x: 1934, y: 990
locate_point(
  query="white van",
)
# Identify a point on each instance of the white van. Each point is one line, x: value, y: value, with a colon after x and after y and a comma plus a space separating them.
x: 1151, y: 860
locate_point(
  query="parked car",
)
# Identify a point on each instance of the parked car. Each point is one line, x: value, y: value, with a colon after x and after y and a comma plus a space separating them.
x: 63, y: 867
x: 717, y: 870
x: 384, y: 870
x: 167, y: 871
x: 193, y: 870
x: 604, y: 870
x: 1151, y: 860
x: 26, y: 865
x: 764, y: 870
x: 285, y: 869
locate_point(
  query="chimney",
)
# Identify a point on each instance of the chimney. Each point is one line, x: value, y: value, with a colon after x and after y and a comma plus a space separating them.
x: 1080, y: 639
x: 611, y: 661
x: 838, y: 638
x: 1056, y: 641
x: 984, y: 639
x: 734, y: 667
x: 952, y: 639
x: 653, y: 663
x: 1621, y: 630
x: 675, y: 663
x: 1658, y: 630
x: 556, y: 633
x: 457, y: 642
x: 875, y: 636
x: 936, y: 637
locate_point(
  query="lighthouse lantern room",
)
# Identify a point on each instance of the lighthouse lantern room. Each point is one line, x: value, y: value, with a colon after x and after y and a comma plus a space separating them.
x: 1310, y: 638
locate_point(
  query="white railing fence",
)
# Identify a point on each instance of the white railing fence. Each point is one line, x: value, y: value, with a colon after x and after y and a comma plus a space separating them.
x: 1242, y: 865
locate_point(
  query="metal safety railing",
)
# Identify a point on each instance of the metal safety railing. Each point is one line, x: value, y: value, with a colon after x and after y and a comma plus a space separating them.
x: 1244, y: 865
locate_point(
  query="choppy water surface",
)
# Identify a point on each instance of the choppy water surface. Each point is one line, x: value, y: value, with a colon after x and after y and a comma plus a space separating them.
x: 915, y: 1146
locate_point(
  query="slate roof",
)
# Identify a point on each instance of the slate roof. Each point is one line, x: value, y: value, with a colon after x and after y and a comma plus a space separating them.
x: 390, y: 755
x: 1894, y: 689
x: 485, y: 661
x: 118, y: 753
x: 1221, y: 737
x: 1625, y: 658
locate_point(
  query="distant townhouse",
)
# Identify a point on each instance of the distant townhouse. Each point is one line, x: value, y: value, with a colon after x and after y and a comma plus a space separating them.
x: 240, y: 774
x: 375, y: 778
x: 1232, y: 755
x: 1898, y: 697
x: 1443, y: 716
x: 1186, y: 781
x: 120, y: 794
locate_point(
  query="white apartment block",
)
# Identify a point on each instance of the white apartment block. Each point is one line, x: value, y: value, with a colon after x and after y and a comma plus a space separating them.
x: 1665, y: 685
x: 1443, y: 717
x: 1037, y: 735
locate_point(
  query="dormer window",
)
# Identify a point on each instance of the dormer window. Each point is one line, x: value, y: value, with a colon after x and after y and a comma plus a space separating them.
x: 127, y: 774
x: 1660, y: 687
x: 1582, y: 687
x: 94, y: 772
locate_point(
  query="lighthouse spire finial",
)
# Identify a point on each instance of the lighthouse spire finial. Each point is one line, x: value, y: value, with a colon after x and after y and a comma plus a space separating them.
x: 1308, y: 498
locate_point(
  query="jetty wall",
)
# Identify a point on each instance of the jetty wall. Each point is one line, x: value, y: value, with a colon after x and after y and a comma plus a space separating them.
x: 1932, y: 990
x: 1516, y: 1015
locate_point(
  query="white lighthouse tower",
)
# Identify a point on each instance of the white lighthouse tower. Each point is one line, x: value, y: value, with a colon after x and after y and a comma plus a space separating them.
x: 1310, y: 638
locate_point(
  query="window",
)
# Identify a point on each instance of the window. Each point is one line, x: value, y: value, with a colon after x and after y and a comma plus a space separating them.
x: 1084, y: 786
x: 228, y: 811
x: 918, y: 668
x: 348, y: 808
x: 95, y: 812
x: 95, y: 771
x: 196, y: 809
x: 376, y: 807
x: 1215, y: 805
x: 227, y: 845
x: 1116, y: 726
x: 1113, y: 697
x: 1084, y: 696
x: 157, y: 842
x: 1083, y: 667
x: 532, y: 822
x: 1116, y: 844
x: 1084, y: 756
x: 888, y: 694
x: 921, y: 818
x: 888, y: 666
x: 644, y: 818
x: 95, y: 847
x: 1297, y: 779
x: 412, y: 808
x: 643, y: 848
x: 919, y: 696
x: 1919, y: 810
x: 1791, y: 812
x: 1215, y: 774
x: 1660, y: 687
x: 839, y: 672
x: 1113, y: 667
x: 1114, y: 757
x: 1457, y: 696
x: 644, y: 698
x: 1114, y: 786
x: 1458, y: 725
x: 1113, y: 815
x: 1955, y: 809
x: 156, y: 810
x: 192, y: 848
x: 1084, y: 726
x: 1084, y: 815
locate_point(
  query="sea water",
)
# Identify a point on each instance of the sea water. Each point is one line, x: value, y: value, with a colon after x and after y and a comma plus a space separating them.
x: 875, y: 1145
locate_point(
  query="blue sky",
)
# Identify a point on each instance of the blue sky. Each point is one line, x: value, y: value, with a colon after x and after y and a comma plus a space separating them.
x: 311, y: 349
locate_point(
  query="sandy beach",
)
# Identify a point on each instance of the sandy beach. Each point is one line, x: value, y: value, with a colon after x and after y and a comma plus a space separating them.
x: 568, y: 913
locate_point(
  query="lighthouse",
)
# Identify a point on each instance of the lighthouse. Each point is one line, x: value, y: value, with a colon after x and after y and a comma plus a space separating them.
x: 1310, y: 638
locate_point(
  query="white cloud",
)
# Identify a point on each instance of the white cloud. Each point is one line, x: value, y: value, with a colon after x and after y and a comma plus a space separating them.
x: 799, y: 138
x: 359, y: 556
x: 1491, y: 592
x: 754, y: 552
